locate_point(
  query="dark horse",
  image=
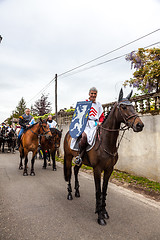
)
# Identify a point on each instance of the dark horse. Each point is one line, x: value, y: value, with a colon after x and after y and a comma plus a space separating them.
x: 12, y: 137
x: 104, y: 155
x: 51, y: 145
x: 29, y: 142
x: 3, y: 138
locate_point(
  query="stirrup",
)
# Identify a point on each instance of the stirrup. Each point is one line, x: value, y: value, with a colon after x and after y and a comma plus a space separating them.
x: 78, y: 161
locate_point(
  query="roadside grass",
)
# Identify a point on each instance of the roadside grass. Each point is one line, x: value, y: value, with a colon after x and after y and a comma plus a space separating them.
x: 123, y: 177
x: 136, y: 181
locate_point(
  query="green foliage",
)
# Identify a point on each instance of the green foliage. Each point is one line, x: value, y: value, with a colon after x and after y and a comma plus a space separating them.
x: 146, y: 63
x: 45, y: 116
x: 138, y: 181
x: 20, y: 109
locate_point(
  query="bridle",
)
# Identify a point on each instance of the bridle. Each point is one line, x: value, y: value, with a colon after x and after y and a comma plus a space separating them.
x: 124, y: 128
x: 38, y: 134
x: 55, y: 138
x: 134, y: 116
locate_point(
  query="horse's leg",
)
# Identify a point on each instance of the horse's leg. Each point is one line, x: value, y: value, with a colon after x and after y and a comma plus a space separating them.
x: 67, y: 173
x: 76, y: 170
x: 32, y: 164
x: 49, y: 158
x: 97, y: 180
x: 25, y: 173
x: 21, y: 157
x: 9, y: 146
x: 106, y: 176
x: 44, y: 158
x: 12, y: 146
x: 53, y: 153
x: 3, y: 146
x: 20, y: 164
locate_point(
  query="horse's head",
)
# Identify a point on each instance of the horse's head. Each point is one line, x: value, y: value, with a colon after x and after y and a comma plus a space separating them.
x: 56, y: 135
x: 127, y: 113
x: 44, y: 128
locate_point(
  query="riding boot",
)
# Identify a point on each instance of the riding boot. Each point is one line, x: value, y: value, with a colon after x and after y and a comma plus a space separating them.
x: 82, y: 148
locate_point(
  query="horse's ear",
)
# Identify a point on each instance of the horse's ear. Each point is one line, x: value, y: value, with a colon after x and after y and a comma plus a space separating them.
x: 120, y: 95
x: 129, y: 95
x: 61, y: 130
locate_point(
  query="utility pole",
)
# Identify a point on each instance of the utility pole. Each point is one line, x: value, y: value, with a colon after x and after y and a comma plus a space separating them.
x: 56, y: 98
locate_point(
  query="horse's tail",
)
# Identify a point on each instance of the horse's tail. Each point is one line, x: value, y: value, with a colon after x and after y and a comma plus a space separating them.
x: 67, y: 169
x: 67, y: 162
x: 22, y: 151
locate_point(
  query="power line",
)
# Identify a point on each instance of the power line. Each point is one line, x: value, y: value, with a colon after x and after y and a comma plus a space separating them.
x: 110, y: 60
x: 108, y: 53
x: 71, y: 70
x: 42, y: 90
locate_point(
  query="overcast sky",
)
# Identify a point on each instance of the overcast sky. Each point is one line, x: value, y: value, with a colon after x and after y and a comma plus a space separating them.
x: 42, y: 38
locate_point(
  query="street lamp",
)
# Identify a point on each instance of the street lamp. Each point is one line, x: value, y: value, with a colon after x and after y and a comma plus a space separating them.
x: 0, y: 38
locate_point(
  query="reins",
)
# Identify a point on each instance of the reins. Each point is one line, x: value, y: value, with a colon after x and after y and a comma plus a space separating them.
x: 38, y: 134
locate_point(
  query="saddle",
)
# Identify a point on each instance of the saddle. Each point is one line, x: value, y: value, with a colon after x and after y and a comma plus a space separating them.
x: 75, y: 145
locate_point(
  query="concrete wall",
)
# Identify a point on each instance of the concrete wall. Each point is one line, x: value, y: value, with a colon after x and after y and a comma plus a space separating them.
x: 139, y: 153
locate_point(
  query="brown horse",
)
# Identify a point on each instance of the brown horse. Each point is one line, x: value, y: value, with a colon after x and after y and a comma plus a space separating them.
x: 104, y: 155
x: 51, y: 145
x: 29, y: 142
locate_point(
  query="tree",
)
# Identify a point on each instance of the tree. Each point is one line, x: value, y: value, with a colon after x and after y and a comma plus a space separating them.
x: 146, y: 63
x: 42, y: 106
x: 20, y: 109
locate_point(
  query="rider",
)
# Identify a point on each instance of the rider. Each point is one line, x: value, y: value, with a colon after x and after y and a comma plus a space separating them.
x: 96, y: 117
x: 3, y: 125
x: 25, y: 121
x: 51, y: 122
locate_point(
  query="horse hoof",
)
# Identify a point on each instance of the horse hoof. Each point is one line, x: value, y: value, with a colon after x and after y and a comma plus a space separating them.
x: 106, y: 216
x: 101, y: 222
x: 20, y: 167
x: 77, y: 194
x: 32, y: 174
x: 49, y: 164
x: 25, y: 174
x: 69, y: 197
x: 44, y: 167
x: 55, y: 169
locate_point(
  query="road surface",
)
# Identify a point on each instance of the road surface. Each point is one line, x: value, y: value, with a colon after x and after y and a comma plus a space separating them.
x: 36, y: 207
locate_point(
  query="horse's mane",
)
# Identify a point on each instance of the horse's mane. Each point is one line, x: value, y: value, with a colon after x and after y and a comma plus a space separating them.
x: 107, y: 115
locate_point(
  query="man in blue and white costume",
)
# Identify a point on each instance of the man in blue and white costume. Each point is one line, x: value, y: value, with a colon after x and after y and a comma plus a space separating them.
x: 96, y: 117
x: 25, y: 121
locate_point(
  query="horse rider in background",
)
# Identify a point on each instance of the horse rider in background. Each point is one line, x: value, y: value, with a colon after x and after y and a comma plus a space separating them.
x: 96, y: 117
x: 51, y: 122
x: 24, y: 121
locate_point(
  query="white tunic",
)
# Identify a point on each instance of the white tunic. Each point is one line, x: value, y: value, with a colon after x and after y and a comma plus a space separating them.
x: 52, y: 124
x: 94, y: 115
x: 93, y: 119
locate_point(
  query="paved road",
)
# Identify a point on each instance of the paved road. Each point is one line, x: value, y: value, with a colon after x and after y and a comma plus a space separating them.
x: 36, y: 208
